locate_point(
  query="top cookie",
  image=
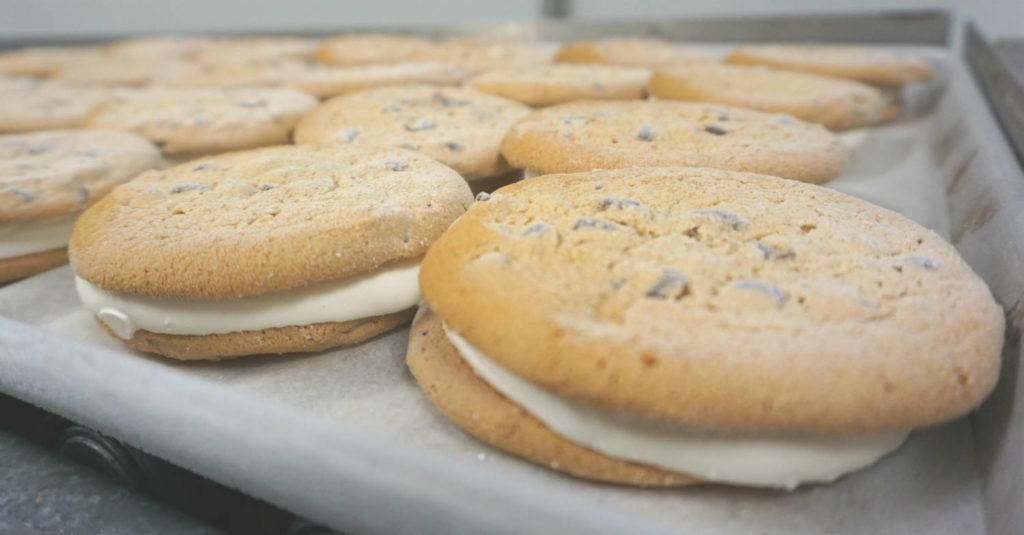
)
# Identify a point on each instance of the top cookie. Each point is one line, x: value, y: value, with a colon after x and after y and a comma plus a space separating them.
x: 157, y: 47
x: 63, y: 171
x: 270, y: 219
x: 205, y: 120
x: 863, y: 64
x: 480, y: 55
x: 116, y: 70
x: 834, y: 103
x: 630, y: 52
x: 329, y: 80
x: 369, y: 48
x: 254, y: 48
x: 544, y: 85
x: 460, y: 127
x: 586, y: 135
x: 721, y: 300
x: 43, y: 61
x: 28, y: 104
x: 248, y: 73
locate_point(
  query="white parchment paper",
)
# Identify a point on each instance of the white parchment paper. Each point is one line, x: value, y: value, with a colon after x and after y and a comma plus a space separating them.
x: 347, y: 438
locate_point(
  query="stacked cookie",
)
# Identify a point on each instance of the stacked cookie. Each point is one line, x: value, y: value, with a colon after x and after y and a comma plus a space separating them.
x: 47, y: 178
x: 283, y: 249
x: 666, y: 326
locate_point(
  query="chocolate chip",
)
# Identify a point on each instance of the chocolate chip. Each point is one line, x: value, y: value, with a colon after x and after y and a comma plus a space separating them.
x: 25, y: 196
x: 253, y: 103
x: 422, y: 123
x: 723, y: 116
x: 392, y: 107
x: 395, y: 165
x: 753, y: 285
x: 453, y: 146
x: 598, y: 186
x: 567, y: 133
x: 204, y: 165
x: 593, y: 222
x: 769, y: 252
x: 483, y: 196
x: 266, y: 187
x: 447, y: 101
x: 600, y: 113
x: 571, y: 120
x: 621, y: 204
x: 715, y: 129
x: 818, y: 104
x: 83, y: 195
x: 724, y: 217
x: 672, y: 284
x: 646, y: 133
x: 924, y: 262
x: 349, y: 134
x: 189, y: 187
x: 405, y: 143
x: 783, y: 119
x: 538, y: 227
x: 599, y: 86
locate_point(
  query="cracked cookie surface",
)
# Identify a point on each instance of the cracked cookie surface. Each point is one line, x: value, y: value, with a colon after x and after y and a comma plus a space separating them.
x: 588, y: 135
x: 716, y: 299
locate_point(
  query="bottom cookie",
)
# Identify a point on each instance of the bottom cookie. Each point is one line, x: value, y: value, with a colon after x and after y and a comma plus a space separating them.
x: 22, y: 266
x: 293, y: 339
x: 491, y: 417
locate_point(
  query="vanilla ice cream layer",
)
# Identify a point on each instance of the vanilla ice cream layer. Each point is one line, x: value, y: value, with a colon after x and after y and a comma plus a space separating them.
x: 385, y: 290
x: 20, y: 238
x: 778, y: 460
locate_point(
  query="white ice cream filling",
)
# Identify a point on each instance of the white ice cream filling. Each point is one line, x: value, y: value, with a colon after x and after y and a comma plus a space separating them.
x: 783, y: 460
x: 853, y: 139
x: 385, y: 290
x: 20, y: 238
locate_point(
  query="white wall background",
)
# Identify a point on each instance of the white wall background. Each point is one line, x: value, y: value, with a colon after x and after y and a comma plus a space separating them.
x: 27, y: 18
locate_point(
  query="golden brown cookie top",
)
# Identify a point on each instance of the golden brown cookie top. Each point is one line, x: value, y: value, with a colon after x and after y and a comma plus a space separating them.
x: 631, y: 52
x: 63, y: 171
x: 480, y: 55
x: 43, y: 60
x: 718, y: 299
x: 865, y: 64
x: 587, y: 135
x: 369, y: 48
x: 547, y: 84
x: 205, y: 120
x: 237, y: 49
x: 460, y: 127
x: 30, y: 104
x: 263, y: 220
x: 333, y: 80
x: 834, y: 103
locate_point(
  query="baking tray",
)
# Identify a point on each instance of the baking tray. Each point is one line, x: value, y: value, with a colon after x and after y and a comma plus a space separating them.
x: 345, y: 437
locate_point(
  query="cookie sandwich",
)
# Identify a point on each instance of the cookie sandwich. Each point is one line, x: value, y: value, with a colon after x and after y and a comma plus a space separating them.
x: 833, y: 103
x: 864, y: 64
x: 665, y: 326
x: 544, y: 85
x: 30, y: 104
x: 275, y: 250
x: 47, y: 179
x: 587, y: 135
x: 633, y: 52
x: 185, y: 122
x: 459, y: 127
